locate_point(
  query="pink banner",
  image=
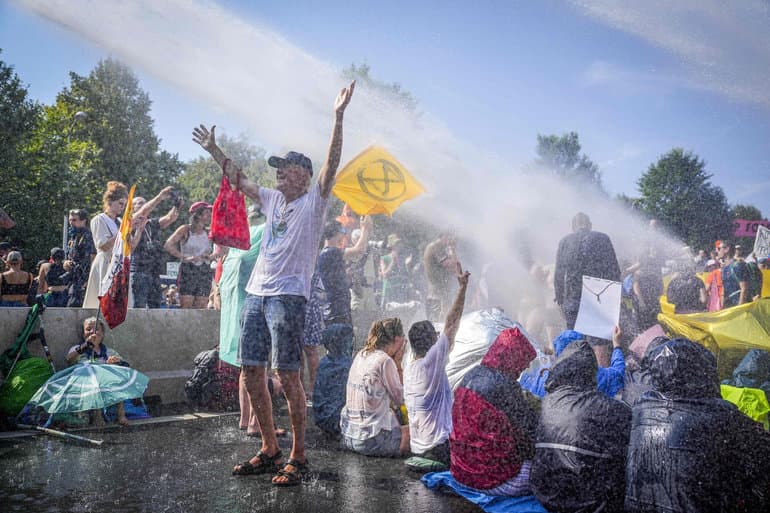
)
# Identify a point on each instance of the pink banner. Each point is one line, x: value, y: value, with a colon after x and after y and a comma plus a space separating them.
x: 744, y: 228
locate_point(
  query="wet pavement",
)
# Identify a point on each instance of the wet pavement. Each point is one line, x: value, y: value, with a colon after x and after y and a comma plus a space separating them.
x: 186, y: 466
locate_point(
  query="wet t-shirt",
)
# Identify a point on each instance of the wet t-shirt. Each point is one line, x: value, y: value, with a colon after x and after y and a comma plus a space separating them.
x: 289, y: 243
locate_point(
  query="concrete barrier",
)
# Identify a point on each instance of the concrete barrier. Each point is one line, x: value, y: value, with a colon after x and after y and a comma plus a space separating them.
x: 160, y: 343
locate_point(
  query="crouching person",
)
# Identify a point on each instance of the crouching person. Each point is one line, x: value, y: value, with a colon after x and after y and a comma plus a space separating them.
x: 691, y: 451
x: 332, y: 377
x: 91, y: 349
x: 428, y: 396
x: 369, y: 422
x: 582, y: 437
x: 493, y: 425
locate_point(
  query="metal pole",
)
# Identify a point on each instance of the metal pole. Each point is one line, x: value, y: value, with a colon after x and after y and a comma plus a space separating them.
x: 64, y: 236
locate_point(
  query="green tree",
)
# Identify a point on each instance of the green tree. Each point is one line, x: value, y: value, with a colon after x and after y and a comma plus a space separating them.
x: 18, y: 116
x: 677, y: 191
x: 748, y: 212
x: 119, y: 124
x: 561, y: 154
x: 362, y: 75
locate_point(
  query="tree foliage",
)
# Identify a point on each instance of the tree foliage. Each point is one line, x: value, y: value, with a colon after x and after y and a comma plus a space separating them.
x: 677, y: 191
x: 561, y: 154
x: 748, y: 212
x: 362, y: 75
x: 119, y: 124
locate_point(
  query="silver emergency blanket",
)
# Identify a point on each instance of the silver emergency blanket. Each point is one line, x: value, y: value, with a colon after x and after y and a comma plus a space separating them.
x: 478, y: 330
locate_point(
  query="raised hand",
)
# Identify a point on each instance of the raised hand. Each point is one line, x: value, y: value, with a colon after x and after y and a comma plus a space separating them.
x: 344, y: 98
x: 462, y: 276
x: 205, y: 137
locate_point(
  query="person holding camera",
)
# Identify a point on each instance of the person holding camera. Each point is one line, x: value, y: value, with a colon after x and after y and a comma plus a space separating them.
x: 147, y: 255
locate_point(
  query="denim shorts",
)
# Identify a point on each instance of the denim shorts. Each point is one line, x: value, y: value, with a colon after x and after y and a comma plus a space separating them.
x: 386, y: 443
x: 272, y: 324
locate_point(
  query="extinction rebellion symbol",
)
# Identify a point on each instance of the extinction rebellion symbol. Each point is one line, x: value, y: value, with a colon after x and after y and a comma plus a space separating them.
x: 383, y: 182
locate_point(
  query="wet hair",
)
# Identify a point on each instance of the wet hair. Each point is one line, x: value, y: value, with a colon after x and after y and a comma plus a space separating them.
x: 382, y: 333
x: 115, y: 191
x: 422, y: 336
x: 91, y: 319
x: 80, y: 213
x: 581, y: 220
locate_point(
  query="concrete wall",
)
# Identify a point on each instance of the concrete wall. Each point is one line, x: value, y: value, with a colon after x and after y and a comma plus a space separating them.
x: 160, y: 343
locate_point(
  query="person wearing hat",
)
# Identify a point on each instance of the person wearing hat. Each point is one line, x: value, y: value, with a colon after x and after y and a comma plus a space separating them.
x: 273, y: 316
x: 147, y: 262
x: 190, y: 244
x: 14, y: 283
x: 54, y: 279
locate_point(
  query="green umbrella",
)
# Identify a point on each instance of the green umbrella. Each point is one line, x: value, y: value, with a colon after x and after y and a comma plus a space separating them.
x: 87, y: 386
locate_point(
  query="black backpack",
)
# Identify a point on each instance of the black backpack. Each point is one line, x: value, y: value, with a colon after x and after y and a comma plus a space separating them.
x: 203, y: 386
x: 755, y: 280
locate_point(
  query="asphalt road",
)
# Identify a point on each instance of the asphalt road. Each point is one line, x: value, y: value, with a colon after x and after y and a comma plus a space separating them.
x: 186, y: 467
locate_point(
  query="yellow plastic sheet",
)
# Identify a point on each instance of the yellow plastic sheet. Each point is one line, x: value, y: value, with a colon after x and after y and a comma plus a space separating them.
x: 728, y: 333
x: 374, y: 182
x: 765, y: 283
x: 751, y: 401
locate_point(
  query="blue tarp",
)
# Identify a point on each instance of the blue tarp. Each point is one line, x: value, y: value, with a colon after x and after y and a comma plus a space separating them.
x: 444, y: 482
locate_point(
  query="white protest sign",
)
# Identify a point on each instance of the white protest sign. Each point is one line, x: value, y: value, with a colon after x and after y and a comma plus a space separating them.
x: 762, y: 243
x: 599, y: 311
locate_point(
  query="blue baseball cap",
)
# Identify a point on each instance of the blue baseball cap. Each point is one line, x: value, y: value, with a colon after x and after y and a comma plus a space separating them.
x: 293, y: 157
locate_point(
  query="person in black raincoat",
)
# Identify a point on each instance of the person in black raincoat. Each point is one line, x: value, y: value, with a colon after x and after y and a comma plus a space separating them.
x: 690, y: 451
x: 581, y: 442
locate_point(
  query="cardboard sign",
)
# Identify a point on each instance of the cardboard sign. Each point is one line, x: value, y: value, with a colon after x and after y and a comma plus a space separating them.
x: 599, y: 310
x: 762, y: 243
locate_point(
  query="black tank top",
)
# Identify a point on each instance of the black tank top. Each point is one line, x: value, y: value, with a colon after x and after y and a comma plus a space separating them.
x: 11, y: 289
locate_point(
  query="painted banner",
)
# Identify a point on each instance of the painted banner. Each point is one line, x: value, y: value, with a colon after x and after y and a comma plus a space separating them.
x: 599, y: 310
x: 762, y: 243
x: 744, y: 228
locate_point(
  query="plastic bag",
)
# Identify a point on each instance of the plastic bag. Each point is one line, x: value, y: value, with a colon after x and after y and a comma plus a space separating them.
x: 477, y: 331
x: 229, y: 224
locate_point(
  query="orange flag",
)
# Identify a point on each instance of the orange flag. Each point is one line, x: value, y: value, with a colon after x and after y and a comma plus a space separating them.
x: 113, y: 292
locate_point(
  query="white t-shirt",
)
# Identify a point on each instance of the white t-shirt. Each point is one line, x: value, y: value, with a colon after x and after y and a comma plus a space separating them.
x: 372, y: 385
x: 290, y: 243
x: 428, y: 398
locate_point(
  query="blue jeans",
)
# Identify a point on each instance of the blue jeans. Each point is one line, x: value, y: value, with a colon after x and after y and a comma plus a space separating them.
x: 57, y: 299
x: 272, y: 323
x: 146, y: 289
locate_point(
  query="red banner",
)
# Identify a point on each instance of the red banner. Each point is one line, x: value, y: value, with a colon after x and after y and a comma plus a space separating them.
x: 744, y: 228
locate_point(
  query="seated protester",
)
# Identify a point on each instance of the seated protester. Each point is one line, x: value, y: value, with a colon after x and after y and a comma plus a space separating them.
x: 691, y: 451
x: 91, y: 349
x: 609, y: 379
x: 493, y: 425
x: 427, y: 394
x: 332, y: 377
x: 368, y: 422
x: 582, y: 437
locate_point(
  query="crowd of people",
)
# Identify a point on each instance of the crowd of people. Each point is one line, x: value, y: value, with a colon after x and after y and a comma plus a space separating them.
x: 570, y: 435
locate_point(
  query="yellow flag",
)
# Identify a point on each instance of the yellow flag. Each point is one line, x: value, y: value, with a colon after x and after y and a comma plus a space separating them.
x: 374, y: 182
x: 125, y: 222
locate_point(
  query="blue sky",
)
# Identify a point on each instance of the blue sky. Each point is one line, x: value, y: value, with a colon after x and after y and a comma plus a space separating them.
x: 633, y: 81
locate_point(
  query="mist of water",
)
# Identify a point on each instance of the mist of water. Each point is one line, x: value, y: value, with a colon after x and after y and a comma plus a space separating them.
x: 284, y: 95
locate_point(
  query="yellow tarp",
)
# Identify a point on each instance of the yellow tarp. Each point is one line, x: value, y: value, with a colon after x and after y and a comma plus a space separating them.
x: 374, y: 182
x: 729, y: 333
x: 765, y: 282
x: 751, y: 401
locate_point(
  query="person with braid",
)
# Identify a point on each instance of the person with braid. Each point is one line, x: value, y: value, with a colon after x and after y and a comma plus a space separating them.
x: 369, y: 421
